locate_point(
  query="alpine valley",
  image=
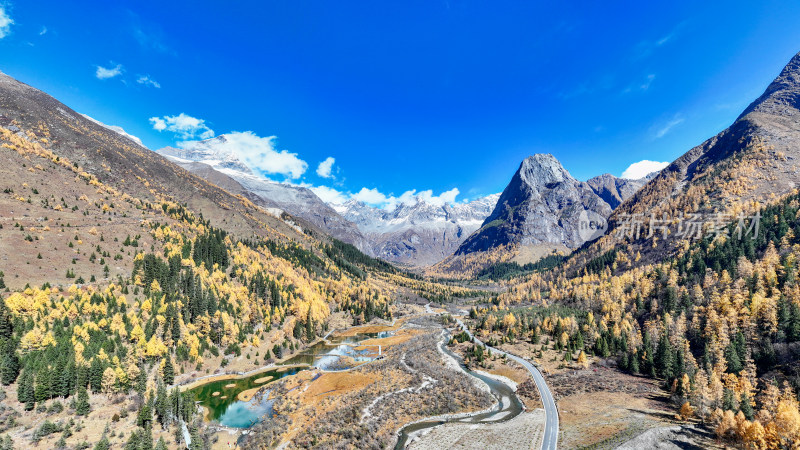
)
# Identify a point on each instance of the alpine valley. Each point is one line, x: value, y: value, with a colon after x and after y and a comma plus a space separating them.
x: 187, y: 297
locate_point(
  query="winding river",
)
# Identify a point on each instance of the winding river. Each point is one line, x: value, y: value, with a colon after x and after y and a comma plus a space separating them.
x: 243, y: 401
x: 508, y: 406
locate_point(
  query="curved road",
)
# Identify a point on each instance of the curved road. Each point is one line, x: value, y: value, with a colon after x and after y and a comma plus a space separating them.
x: 550, y: 440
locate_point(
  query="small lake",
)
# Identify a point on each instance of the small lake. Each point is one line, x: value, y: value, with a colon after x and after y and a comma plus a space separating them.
x: 227, y: 409
x: 220, y: 398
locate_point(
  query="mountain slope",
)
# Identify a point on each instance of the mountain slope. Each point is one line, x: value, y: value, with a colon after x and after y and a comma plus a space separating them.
x: 615, y: 190
x: 205, y: 159
x: 123, y: 276
x: 120, y: 163
x: 752, y: 162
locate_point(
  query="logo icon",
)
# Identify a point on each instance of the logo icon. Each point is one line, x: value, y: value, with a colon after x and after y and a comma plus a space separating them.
x: 591, y: 225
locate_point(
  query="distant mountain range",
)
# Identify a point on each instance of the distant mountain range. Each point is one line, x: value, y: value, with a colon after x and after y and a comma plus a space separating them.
x: 206, y: 159
x: 540, y: 206
x: 418, y: 233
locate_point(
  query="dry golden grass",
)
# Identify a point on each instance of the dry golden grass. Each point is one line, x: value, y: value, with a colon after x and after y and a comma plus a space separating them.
x: 337, y: 383
x: 512, y: 373
x: 247, y: 394
x: 398, y: 338
x: 373, y: 328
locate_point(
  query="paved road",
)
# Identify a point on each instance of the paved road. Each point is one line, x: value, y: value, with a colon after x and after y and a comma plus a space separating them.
x: 550, y: 441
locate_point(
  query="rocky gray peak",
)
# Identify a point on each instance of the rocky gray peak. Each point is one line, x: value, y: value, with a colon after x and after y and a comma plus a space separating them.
x: 782, y: 96
x: 544, y: 205
x: 542, y: 169
x: 615, y: 190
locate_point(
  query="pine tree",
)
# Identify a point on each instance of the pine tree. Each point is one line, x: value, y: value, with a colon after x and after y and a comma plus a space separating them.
x: 732, y: 358
x: 634, y: 363
x: 793, y: 326
x: 728, y: 403
x: 169, y: 371
x: 745, y: 407
x: 161, y: 445
x: 103, y: 443
x: 663, y: 359
x: 82, y: 406
x: 6, y: 322
x: 162, y: 405
x: 9, y: 362
x: 25, y: 391
x: 96, y: 375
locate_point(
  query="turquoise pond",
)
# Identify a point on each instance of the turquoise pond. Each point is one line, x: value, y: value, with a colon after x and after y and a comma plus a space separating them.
x: 225, y: 408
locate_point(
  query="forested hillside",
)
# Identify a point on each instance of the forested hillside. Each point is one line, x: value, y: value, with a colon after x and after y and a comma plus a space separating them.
x: 109, y: 296
x: 719, y: 324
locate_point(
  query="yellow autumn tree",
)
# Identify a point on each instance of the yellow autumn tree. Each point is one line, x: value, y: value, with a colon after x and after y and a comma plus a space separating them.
x: 109, y: 380
x: 687, y: 412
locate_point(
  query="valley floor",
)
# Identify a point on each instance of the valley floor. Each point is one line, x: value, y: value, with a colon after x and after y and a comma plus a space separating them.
x: 522, y: 432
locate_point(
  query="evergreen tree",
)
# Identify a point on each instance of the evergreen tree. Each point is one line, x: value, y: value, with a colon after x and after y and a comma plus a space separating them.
x: 9, y: 362
x: 664, y: 359
x: 6, y: 321
x: 161, y: 445
x: 103, y: 443
x: 25, y: 391
x: 82, y: 406
x: 728, y: 403
x: 634, y: 360
x: 745, y: 407
x: 169, y: 371
x: 162, y: 408
x: 732, y: 357
x: 793, y: 326
x: 96, y: 375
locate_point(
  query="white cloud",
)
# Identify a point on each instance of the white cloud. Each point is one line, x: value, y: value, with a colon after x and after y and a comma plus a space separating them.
x: 185, y: 126
x: 376, y: 198
x: 643, y: 168
x: 326, y: 167
x: 371, y: 196
x: 147, y: 81
x: 256, y: 152
x: 329, y: 195
x: 5, y: 22
x: 661, y: 130
x: 103, y: 73
x: 43, y: 31
x: 438, y: 200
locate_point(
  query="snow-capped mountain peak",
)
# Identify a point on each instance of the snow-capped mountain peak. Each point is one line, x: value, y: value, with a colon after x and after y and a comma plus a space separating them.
x: 417, y: 231
x: 212, y: 151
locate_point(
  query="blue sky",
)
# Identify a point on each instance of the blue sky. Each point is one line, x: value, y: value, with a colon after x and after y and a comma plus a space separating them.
x: 411, y: 95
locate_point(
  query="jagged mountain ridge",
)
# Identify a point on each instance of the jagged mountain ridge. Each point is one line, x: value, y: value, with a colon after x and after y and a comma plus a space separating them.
x: 615, y: 190
x: 206, y: 160
x: 415, y: 233
x: 420, y: 232
x: 541, y: 206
